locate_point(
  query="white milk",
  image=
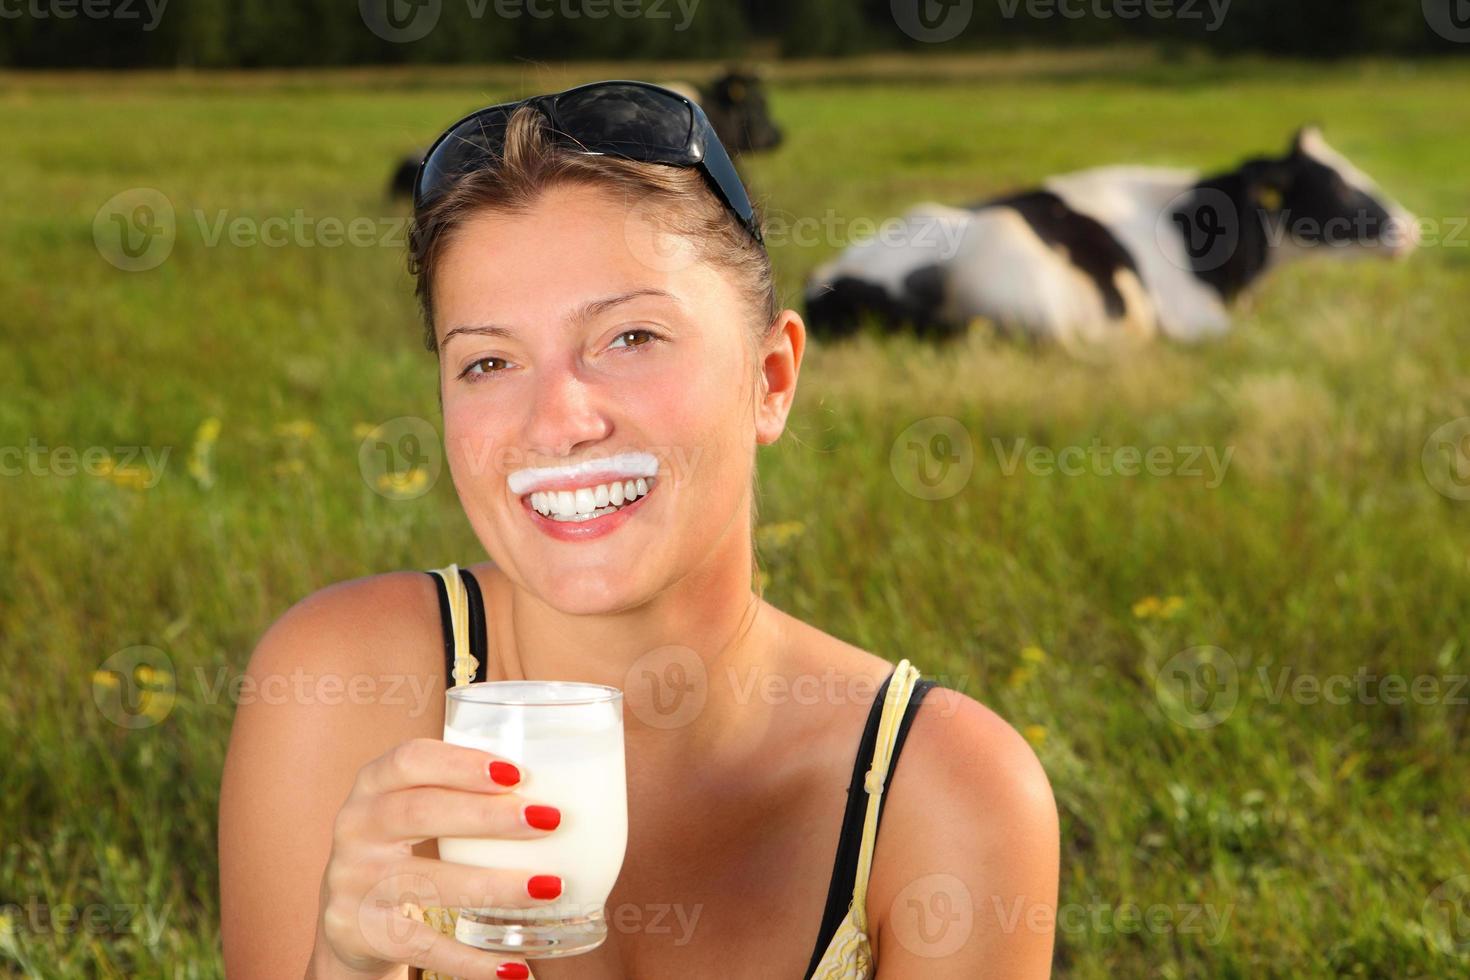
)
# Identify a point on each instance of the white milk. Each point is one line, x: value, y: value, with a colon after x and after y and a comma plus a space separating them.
x: 570, y: 757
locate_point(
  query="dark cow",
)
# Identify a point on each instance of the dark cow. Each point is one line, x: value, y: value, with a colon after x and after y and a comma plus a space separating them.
x: 735, y: 103
x: 1109, y: 252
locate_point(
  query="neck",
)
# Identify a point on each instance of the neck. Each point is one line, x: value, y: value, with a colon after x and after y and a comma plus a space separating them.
x: 673, y: 656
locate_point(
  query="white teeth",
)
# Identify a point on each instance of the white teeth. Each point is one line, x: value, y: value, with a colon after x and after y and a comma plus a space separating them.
x: 585, y: 503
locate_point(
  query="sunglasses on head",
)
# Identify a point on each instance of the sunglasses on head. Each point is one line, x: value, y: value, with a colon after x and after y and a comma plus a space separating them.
x: 632, y: 120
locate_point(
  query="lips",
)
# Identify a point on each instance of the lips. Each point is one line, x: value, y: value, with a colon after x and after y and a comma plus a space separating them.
x: 586, y: 528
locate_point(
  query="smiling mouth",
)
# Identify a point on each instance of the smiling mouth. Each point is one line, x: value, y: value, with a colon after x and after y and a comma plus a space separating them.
x: 573, y: 506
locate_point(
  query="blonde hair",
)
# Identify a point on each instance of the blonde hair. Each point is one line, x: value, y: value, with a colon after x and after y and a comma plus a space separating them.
x: 680, y: 198
x: 532, y: 162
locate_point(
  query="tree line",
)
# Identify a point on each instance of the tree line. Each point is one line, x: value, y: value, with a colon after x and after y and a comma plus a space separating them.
x: 284, y: 33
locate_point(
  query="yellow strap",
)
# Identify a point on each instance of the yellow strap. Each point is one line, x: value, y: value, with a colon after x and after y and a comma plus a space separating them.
x: 465, y: 664
x: 894, y: 705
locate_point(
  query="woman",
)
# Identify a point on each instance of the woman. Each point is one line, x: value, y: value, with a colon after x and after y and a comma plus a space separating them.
x: 594, y: 283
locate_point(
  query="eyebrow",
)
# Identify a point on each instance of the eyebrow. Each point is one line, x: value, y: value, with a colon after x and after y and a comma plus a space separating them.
x: 588, y: 310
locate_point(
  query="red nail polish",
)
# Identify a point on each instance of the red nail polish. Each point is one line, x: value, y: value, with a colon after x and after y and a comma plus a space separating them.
x: 544, y: 886
x: 504, y: 773
x: 512, y: 971
x: 543, y: 817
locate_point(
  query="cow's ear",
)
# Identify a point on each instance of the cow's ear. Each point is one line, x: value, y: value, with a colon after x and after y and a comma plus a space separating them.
x: 1304, y: 137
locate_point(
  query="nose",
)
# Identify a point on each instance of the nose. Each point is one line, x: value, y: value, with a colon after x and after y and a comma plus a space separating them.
x: 564, y: 414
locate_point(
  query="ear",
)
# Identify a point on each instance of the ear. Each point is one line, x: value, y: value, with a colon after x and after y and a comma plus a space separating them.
x: 1305, y: 135
x: 780, y: 363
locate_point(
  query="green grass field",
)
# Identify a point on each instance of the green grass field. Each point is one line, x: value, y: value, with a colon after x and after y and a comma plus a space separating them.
x: 1291, y: 835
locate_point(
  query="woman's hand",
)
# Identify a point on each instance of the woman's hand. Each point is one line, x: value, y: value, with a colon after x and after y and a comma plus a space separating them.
x: 423, y: 788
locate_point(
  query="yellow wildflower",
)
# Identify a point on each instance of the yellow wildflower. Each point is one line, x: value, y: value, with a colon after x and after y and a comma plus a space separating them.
x: 1171, y: 607
x: 1033, y: 655
x: 1035, y: 734
x: 105, y: 678
x: 405, y: 484
x: 302, y: 429
x: 1147, y: 607
x: 779, y: 535
x: 1019, y: 676
x: 201, y: 457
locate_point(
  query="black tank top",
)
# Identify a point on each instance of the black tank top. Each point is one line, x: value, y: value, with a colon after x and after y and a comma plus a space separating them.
x: 849, y: 840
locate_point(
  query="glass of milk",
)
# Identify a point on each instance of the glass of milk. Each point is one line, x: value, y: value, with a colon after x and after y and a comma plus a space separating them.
x: 567, y: 740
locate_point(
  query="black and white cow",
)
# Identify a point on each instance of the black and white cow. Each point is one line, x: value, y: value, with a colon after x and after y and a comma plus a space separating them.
x: 1109, y: 252
x: 735, y: 103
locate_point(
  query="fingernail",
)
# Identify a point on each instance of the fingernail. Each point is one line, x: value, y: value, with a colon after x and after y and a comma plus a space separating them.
x: 504, y: 773
x: 512, y: 971
x: 543, y: 817
x: 544, y: 886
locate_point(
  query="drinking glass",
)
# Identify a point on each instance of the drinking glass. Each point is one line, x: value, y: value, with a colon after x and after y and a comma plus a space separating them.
x: 567, y: 740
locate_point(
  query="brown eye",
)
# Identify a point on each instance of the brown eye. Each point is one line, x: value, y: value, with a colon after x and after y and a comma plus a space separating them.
x: 483, y: 366
x: 623, y: 338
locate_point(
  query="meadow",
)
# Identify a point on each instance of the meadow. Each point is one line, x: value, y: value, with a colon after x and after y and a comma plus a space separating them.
x: 1272, y: 831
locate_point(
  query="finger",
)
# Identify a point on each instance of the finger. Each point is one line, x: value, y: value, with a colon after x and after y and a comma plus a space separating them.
x: 431, y: 762
x: 406, y: 940
x: 465, y: 886
x: 421, y: 812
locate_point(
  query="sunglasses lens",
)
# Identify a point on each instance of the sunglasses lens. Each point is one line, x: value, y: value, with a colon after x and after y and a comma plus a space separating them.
x: 627, y: 119
x: 463, y: 150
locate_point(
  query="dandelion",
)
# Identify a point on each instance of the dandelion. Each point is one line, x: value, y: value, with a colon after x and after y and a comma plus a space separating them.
x: 1035, y: 734
x: 298, y: 429
x: 104, y: 678
x: 1019, y: 676
x: 1147, y: 607
x: 1152, y: 607
x: 1033, y: 655
x: 201, y: 456
x: 404, y: 484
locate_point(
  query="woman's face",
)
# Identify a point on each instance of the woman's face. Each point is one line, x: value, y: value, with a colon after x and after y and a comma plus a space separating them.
x: 580, y: 347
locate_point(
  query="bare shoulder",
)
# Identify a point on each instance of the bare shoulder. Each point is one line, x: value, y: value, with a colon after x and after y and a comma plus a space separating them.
x: 964, y: 880
x: 339, y: 678
x: 357, y: 622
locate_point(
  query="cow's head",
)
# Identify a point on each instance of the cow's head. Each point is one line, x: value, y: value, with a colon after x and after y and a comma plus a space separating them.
x: 1313, y: 197
x: 736, y: 104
